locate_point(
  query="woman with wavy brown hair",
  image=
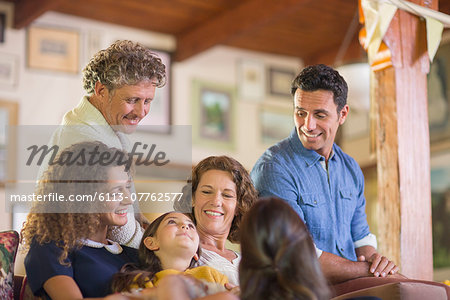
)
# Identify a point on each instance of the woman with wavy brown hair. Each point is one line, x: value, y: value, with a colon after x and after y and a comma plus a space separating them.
x: 222, y: 192
x: 278, y: 255
x: 69, y: 255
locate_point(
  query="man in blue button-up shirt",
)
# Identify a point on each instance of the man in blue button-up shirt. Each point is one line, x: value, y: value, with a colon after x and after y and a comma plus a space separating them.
x: 324, y: 185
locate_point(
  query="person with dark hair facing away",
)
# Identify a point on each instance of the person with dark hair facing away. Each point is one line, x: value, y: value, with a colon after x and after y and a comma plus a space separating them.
x: 324, y: 185
x: 278, y: 256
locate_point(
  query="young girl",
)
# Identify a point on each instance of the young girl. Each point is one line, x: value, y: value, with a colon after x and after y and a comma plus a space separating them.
x: 278, y: 256
x: 170, y: 246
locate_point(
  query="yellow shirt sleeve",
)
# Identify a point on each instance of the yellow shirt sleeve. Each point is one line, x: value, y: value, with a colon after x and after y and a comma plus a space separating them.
x: 205, y: 273
x: 208, y: 274
x: 161, y: 274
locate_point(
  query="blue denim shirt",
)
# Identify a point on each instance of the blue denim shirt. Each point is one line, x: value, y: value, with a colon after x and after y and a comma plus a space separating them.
x: 331, y: 204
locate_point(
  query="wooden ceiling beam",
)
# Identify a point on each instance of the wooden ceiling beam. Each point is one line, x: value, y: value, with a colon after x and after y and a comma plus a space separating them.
x: 246, y: 18
x: 354, y: 53
x: 26, y: 11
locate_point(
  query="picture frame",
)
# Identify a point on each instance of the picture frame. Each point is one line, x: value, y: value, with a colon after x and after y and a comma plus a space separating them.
x: 213, y: 114
x: 53, y: 49
x: 279, y: 81
x: 440, y: 197
x: 8, y: 69
x: 276, y: 123
x: 438, y: 82
x: 251, y: 80
x: 8, y: 117
x: 2, y: 26
x: 92, y: 44
x: 371, y: 195
x: 159, y: 117
x: 357, y: 124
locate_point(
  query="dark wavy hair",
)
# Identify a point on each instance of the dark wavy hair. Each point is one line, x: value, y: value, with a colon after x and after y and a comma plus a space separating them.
x: 149, y: 263
x: 278, y: 255
x: 246, y: 193
x: 322, y: 77
x: 123, y: 63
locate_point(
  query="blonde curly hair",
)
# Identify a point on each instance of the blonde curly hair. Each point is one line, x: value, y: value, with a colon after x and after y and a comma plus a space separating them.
x: 67, y: 223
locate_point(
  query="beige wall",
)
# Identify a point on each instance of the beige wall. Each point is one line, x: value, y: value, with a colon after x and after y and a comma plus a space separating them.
x: 220, y: 65
x: 44, y: 96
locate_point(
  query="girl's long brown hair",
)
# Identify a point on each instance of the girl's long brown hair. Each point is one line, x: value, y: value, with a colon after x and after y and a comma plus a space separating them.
x: 149, y: 263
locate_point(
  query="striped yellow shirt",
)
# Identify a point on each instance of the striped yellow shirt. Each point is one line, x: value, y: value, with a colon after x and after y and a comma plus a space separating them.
x: 205, y: 273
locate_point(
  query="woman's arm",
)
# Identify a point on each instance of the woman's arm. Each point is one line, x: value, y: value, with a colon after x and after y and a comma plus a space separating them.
x: 62, y: 287
x: 174, y: 287
x: 220, y: 296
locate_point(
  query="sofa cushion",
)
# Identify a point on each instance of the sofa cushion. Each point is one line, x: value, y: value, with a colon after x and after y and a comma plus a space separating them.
x: 400, y: 290
x: 391, y: 288
x: 9, y: 241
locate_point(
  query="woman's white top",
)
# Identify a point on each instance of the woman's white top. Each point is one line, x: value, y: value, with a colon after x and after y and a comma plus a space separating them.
x: 221, y: 264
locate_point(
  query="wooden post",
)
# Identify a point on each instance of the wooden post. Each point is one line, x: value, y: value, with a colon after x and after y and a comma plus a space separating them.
x: 403, y: 151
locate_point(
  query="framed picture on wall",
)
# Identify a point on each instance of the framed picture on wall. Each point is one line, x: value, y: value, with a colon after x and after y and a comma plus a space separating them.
x: 2, y: 26
x: 213, y: 110
x: 251, y: 80
x: 439, y: 123
x: 440, y: 199
x: 8, y: 69
x: 357, y: 76
x: 371, y: 194
x: 8, y: 117
x: 276, y: 123
x: 279, y: 81
x: 159, y: 117
x: 439, y: 95
x: 53, y: 49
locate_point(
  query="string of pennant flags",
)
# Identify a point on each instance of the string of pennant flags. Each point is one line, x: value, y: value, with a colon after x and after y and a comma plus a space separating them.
x: 376, y: 15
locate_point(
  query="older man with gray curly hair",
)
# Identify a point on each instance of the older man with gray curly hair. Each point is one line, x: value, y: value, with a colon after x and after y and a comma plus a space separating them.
x: 120, y: 82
